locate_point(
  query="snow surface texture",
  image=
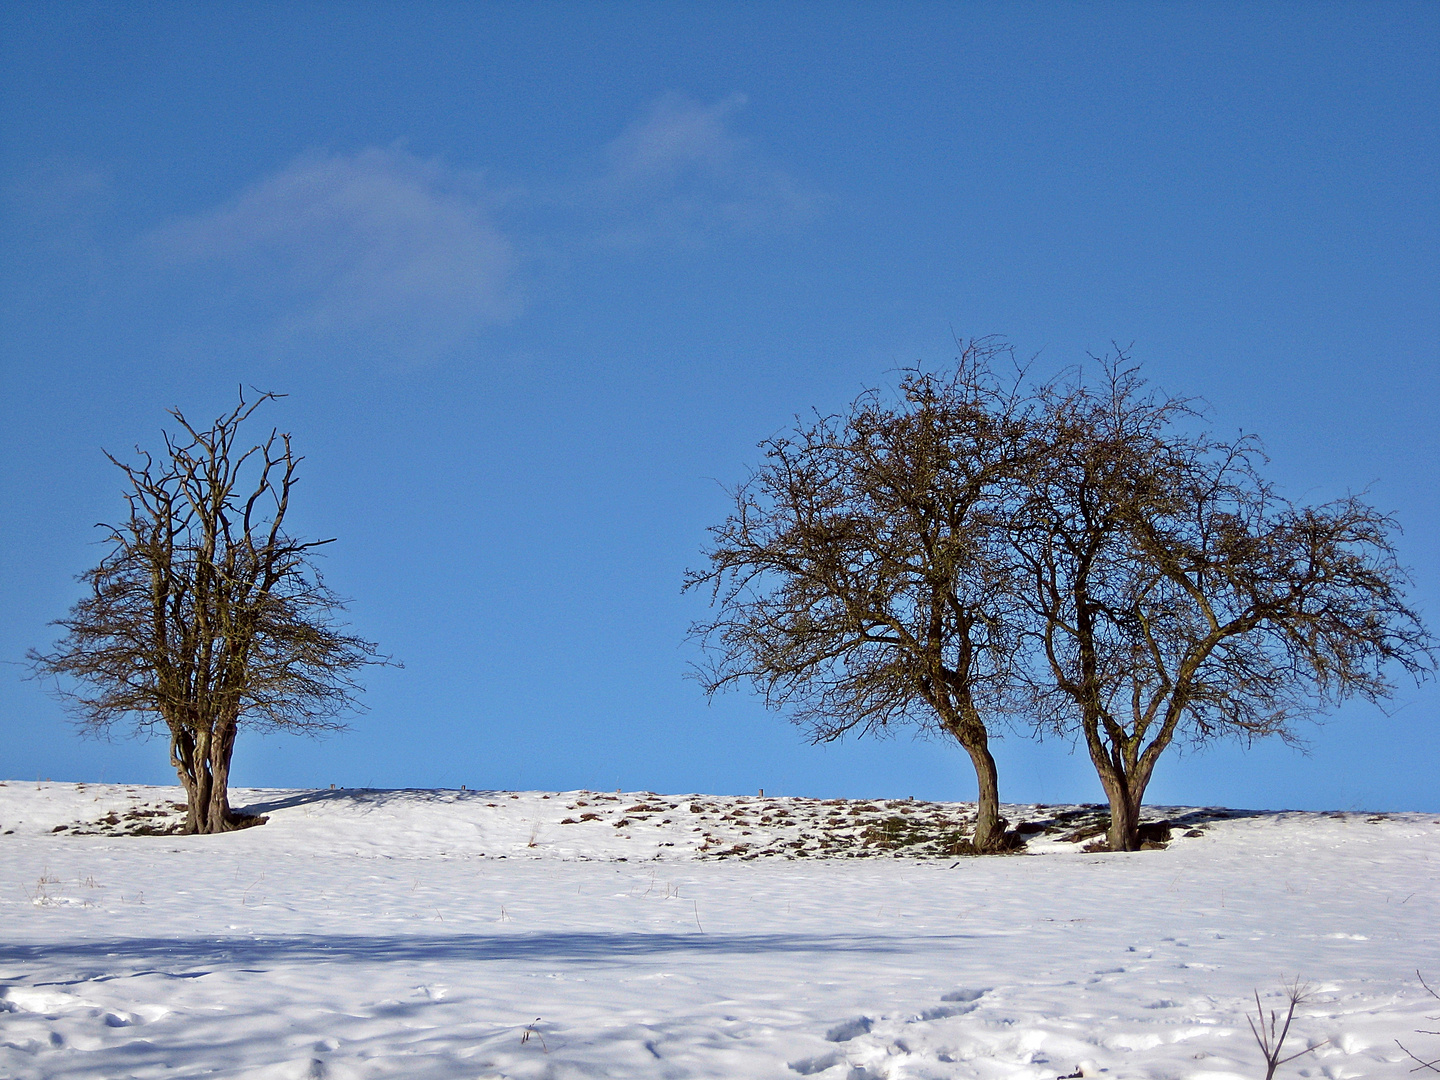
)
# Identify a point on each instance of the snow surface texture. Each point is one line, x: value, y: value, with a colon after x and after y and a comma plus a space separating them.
x: 467, y: 935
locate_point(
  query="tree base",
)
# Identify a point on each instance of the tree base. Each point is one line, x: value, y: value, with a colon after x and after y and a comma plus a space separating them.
x: 234, y: 823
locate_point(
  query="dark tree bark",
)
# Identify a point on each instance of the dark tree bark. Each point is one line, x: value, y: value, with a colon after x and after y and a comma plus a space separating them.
x: 1174, y: 593
x: 205, y: 616
x: 862, y: 578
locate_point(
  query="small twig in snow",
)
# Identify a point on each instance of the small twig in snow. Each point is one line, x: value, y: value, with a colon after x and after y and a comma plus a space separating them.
x: 1433, y: 1066
x: 530, y: 1030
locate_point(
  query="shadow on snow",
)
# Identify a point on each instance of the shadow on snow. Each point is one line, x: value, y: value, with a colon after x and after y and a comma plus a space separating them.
x: 367, y: 798
x: 563, y: 947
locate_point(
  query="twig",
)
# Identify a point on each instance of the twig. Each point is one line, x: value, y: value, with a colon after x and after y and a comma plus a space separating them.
x: 530, y: 1030
x: 1433, y: 1066
x: 1423, y: 983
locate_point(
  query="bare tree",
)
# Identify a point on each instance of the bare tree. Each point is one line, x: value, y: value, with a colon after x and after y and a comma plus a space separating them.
x: 205, y: 615
x: 862, y: 578
x: 1173, y: 592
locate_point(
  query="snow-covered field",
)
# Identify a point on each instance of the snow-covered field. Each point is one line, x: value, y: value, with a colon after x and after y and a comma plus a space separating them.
x: 442, y: 934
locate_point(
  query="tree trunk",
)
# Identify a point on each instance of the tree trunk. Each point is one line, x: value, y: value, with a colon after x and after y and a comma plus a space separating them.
x: 219, y: 817
x: 203, y: 766
x: 1124, y: 834
x: 989, y: 825
x: 1125, y: 796
x: 182, y: 757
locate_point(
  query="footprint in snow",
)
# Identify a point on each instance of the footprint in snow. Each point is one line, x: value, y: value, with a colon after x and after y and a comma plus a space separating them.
x: 965, y: 995
x: 944, y: 1012
x: 956, y: 1003
x: 816, y: 1065
x: 850, y: 1029
x: 959, y: 1002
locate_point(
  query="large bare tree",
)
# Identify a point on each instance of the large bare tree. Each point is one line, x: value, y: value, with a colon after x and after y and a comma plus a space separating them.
x: 205, y: 615
x: 862, y: 577
x: 1175, y: 593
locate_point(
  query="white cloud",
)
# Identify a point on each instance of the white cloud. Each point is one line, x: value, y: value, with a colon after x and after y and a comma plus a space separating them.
x: 675, y: 138
x: 384, y: 253
x: 379, y: 248
x: 681, y: 170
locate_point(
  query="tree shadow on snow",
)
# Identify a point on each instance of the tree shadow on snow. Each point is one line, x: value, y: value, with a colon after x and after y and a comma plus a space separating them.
x: 190, y: 953
x: 366, y: 798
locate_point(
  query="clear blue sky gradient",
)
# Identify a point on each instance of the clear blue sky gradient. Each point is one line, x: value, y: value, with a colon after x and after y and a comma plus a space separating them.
x: 537, y: 277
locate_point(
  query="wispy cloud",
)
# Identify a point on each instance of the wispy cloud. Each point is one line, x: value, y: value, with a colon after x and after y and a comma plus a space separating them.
x: 380, y: 246
x: 677, y: 139
x: 60, y: 203
x: 681, y: 171
x: 383, y: 251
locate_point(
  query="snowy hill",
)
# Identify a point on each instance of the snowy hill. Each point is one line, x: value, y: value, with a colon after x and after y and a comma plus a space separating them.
x: 422, y: 933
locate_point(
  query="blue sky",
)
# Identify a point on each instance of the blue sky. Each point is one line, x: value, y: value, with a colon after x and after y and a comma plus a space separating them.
x: 538, y: 277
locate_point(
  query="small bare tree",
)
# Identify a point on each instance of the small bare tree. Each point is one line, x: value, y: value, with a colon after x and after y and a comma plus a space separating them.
x: 1272, y: 1041
x: 1174, y: 592
x: 862, y: 578
x: 205, y: 615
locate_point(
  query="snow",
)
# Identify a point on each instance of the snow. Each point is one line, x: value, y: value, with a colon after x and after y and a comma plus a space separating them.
x: 443, y: 934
